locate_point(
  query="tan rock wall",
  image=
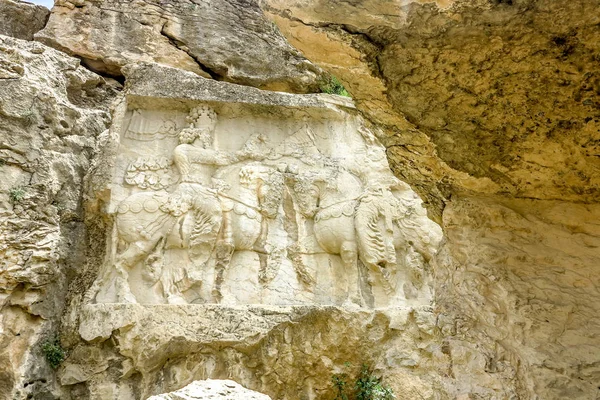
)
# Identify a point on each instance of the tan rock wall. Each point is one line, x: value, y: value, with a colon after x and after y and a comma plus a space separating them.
x: 51, y: 111
x: 224, y: 39
x: 493, y: 97
x: 517, y: 296
x: 487, y: 108
x: 486, y: 97
x: 21, y: 19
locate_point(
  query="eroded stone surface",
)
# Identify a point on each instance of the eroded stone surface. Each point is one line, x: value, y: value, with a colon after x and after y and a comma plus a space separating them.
x: 490, y: 98
x: 251, y: 235
x: 284, y: 352
x: 21, y: 19
x: 254, y: 198
x: 228, y: 40
x: 52, y: 110
x: 468, y: 96
x: 212, y: 389
x: 486, y: 96
x: 529, y: 270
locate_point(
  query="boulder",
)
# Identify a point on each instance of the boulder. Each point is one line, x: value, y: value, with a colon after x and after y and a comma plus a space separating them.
x: 227, y: 40
x: 22, y: 19
x: 212, y: 389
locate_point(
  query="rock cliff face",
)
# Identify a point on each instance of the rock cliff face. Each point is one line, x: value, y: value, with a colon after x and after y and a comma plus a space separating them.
x: 52, y: 111
x: 226, y: 40
x: 293, y: 290
x: 488, y: 109
x: 22, y: 20
x: 492, y: 96
x: 528, y: 269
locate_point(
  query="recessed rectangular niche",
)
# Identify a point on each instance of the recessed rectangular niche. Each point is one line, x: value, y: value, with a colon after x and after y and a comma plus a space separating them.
x: 264, y: 198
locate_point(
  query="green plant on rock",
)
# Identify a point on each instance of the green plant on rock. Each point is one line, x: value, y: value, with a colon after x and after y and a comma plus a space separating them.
x: 339, y: 381
x: 53, y: 352
x: 368, y: 387
x: 16, y: 194
x: 332, y: 85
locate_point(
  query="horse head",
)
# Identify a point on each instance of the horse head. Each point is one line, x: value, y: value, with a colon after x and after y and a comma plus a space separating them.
x: 267, y: 183
x: 308, y: 187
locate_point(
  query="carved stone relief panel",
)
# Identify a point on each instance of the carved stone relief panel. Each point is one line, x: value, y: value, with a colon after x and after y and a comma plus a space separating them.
x: 231, y: 203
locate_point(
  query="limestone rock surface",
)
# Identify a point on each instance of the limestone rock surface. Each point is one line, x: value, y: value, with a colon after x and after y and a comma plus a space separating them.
x: 484, y: 96
x: 285, y: 352
x: 22, y: 19
x: 489, y: 110
x: 328, y: 265
x: 227, y: 39
x: 52, y: 110
x: 517, y: 296
x: 212, y: 389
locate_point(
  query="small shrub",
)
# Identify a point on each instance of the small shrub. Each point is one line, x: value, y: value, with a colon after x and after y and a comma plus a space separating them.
x: 53, y: 352
x: 16, y: 194
x: 339, y: 381
x: 368, y: 387
x: 332, y: 85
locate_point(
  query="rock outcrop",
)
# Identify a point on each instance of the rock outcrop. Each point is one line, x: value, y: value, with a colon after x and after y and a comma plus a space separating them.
x: 292, y: 289
x: 52, y: 111
x: 212, y: 389
x: 224, y: 39
x: 517, y: 296
x: 489, y: 110
x: 22, y: 20
x: 284, y: 352
x: 478, y: 96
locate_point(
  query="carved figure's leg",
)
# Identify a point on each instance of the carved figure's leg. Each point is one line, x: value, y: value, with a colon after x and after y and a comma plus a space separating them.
x: 295, y: 252
x: 349, y: 255
x: 259, y: 245
x: 207, y: 224
x: 224, y: 252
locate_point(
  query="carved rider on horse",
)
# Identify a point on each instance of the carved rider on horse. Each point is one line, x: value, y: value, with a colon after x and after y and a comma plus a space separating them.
x: 196, y: 160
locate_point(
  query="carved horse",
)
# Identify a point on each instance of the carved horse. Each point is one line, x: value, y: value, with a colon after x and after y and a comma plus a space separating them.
x: 143, y: 227
x: 330, y: 197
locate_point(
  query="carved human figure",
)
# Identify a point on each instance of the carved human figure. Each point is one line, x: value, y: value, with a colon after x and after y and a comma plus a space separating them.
x: 194, y: 216
x: 196, y: 161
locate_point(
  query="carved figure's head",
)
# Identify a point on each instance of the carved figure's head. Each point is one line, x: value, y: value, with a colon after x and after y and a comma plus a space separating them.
x: 201, y: 136
x: 307, y: 193
x: 202, y: 117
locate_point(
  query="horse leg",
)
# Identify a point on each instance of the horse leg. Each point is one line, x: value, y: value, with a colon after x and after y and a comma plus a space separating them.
x: 295, y: 252
x: 349, y: 255
x: 134, y: 253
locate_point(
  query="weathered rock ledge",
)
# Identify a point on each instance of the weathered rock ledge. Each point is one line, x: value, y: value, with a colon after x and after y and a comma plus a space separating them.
x: 225, y: 40
x: 21, y: 19
x: 158, y: 348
